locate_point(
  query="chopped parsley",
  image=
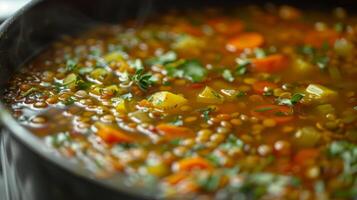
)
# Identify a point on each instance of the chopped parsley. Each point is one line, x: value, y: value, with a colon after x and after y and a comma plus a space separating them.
x: 144, y: 81
x: 242, y: 67
x: 29, y: 91
x: 263, y: 109
x: 163, y: 59
x: 71, y: 65
x: 189, y: 69
x: 177, y: 121
x: 227, y: 75
x: 316, y: 56
x: 206, y: 113
x: 294, y: 100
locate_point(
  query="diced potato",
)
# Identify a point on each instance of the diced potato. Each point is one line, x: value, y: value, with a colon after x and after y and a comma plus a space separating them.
x: 158, y: 169
x: 321, y: 93
x: 301, y: 66
x: 112, y: 90
x: 99, y: 74
x: 113, y: 56
x: 208, y: 95
x: 307, y: 137
x: 140, y: 117
x: 167, y: 101
x: 70, y: 80
x: 120, y: 104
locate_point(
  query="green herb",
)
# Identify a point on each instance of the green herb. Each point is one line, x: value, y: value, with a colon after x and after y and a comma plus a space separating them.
x: 175, y: 142
x: 29, y: 91
x: 137, y: 64
x: 260, y: 53
x: 189, y: 69
x: 214, y: 159
x: 177, y: 121
x: 127, y: 96
x: 206, y: 113
x: 83, y: 85
x: 294, y: 100
x: 307, y: 50
x: 163, y: 59
x: 242, y: 67
x: 144, y: 81
x: 355, y: 107
x: 263, y: 109
x: 71, y: 65
x: 210, y: 183
x: 232, y: 142
x: 241, y: 94
x: 85, y: 70
x: 316, y: 56
x: 227, y: 75
x: 322, y: 61
x: 69, y: 101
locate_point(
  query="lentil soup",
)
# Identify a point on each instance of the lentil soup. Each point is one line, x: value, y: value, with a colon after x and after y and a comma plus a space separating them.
x: 249, y: 103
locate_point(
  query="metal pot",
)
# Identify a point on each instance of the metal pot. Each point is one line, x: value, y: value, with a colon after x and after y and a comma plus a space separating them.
x: 31, y: 170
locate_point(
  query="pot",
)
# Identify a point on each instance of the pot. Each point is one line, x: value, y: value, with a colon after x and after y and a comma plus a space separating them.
x: 31, y: 170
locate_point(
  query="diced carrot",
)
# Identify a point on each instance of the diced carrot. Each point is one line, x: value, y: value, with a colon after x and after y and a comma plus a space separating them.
x: 172, y: 131
x: 196, y: 85
x: 226, y: 26
x: 112, y: 135
x: 188, y: 164
x: 245, y: 41
x: 305, y: 155
x: 144, y: 103
x: 280, y: 114
x: 260, y: 86
x: 318, y: 38
x: 270, y: 64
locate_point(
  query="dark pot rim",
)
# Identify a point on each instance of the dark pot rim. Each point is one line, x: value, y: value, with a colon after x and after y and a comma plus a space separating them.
x: 36, y: 145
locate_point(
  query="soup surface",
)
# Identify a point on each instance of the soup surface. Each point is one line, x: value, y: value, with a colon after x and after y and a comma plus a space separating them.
x: 250, y: 103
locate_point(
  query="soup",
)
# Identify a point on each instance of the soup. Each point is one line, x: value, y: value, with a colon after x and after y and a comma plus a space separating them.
x: 247, y: 103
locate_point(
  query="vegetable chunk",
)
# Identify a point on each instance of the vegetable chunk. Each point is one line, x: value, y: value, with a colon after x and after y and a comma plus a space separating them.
x: 167, y: 101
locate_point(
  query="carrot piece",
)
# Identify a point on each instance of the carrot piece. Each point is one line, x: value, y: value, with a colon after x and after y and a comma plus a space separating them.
x: 172, y: 131
x: 280, y: 114
x: 226, y: 26
x: 144, y: 103
x: 270, y: 64
x: 112, y: 135
x: 196, y: 86
x: 260, y: 86
x: 188, y: 164
x: 305, y: 155
x: 244, y: 41
x: 318, y: 38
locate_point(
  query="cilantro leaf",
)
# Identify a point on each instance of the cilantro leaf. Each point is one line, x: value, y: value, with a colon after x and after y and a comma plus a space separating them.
x: 144, y: 81
x: 190, y: 69
x: 163, y: 59
x: 227, y: 75
x: 294, y: 100
x: 71, y: 65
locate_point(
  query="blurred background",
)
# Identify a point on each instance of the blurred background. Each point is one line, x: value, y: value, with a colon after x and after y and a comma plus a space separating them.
x: 8, y: 7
